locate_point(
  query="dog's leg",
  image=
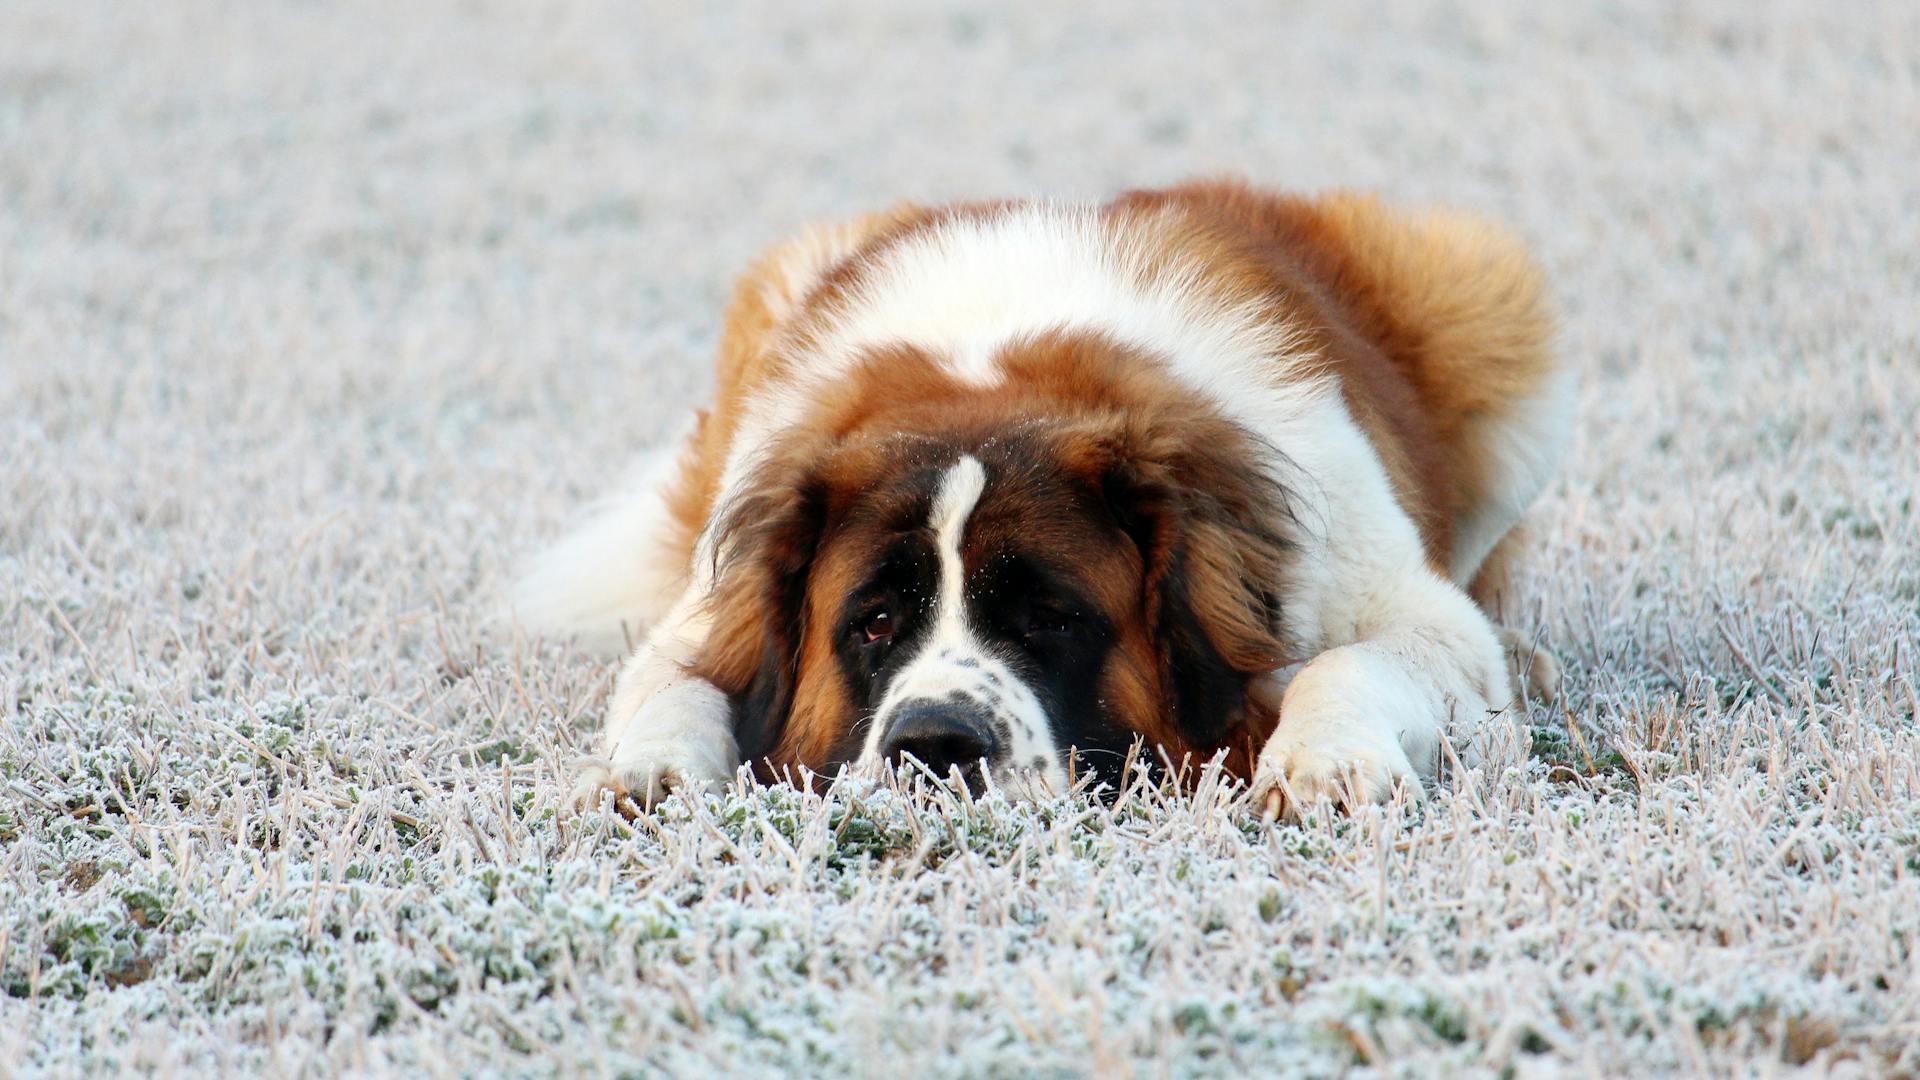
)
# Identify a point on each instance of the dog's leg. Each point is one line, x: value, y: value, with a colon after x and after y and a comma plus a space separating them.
x: 1364, y: 716
x: 1401, y: 657
x: 666, y: 728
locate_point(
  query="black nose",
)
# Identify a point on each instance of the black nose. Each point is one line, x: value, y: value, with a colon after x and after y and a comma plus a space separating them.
x: 939, y: 735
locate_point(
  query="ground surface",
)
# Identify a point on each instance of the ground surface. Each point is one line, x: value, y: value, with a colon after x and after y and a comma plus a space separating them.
x: 315, y: 318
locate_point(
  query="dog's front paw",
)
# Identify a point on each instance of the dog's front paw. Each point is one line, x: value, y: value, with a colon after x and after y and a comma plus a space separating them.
x: 680, y: 738
x: 1353, y: 726
x: 1348, y: 763
x: 645, y: 775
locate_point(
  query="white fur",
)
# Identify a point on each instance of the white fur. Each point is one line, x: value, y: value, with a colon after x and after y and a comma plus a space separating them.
x: 952, y: 659
x: 967, y: 287
x: 1353, y: 719
x: 616, y: 575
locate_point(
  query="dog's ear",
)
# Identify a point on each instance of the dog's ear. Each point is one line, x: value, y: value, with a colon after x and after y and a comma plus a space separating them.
x: 1197, y: 497
x: 762, y: 549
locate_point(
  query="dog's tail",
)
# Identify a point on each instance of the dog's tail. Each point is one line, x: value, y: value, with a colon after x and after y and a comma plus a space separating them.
x: 619, y: 571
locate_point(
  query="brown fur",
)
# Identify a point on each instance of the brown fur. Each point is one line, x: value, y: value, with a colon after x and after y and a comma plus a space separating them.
x: 773, y: 292
x: 1432, y: 325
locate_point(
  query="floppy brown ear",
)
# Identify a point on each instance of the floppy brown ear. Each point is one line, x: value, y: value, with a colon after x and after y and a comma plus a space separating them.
x: 764, y: 547
x: 1208, y: 520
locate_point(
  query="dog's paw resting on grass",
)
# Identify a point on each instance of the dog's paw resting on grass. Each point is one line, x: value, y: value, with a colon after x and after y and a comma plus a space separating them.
x: 1364, y: 719
x: 647, y: 773
x: 1002, y: 487
x: 1346, y: 769
x: 678, y: 736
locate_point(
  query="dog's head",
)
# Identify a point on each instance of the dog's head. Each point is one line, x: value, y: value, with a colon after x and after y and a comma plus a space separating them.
x: 1023, y: 578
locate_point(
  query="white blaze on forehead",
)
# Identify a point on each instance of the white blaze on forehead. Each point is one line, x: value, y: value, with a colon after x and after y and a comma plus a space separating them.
x: 953, y: 664
x: 960, y: 492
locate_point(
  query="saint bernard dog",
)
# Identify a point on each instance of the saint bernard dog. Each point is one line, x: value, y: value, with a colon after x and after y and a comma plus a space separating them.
x: 1015, y: 489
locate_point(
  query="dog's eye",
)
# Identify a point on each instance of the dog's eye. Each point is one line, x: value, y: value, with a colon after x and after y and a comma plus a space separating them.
x: 879, y: 627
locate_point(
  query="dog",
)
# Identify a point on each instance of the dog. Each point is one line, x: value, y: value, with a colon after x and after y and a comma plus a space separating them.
x: 1013, y: 489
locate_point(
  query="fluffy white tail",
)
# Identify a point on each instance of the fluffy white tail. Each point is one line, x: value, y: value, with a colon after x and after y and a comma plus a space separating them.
x: 616, y: 574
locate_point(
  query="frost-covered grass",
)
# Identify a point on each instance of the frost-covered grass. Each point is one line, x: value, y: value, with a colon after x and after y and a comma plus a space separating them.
x: 314, y: 318
x: 250, y: 907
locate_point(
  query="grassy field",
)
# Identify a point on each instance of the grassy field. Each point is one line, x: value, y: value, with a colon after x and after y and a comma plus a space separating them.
x: 314, y: 319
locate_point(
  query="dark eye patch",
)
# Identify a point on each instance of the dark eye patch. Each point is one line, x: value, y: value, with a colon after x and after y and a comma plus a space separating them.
x: 901, y: 585
x: 1038, y: 613
x: 882, y: 617
x: 1024, y: 598
x: 1043, y: 617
